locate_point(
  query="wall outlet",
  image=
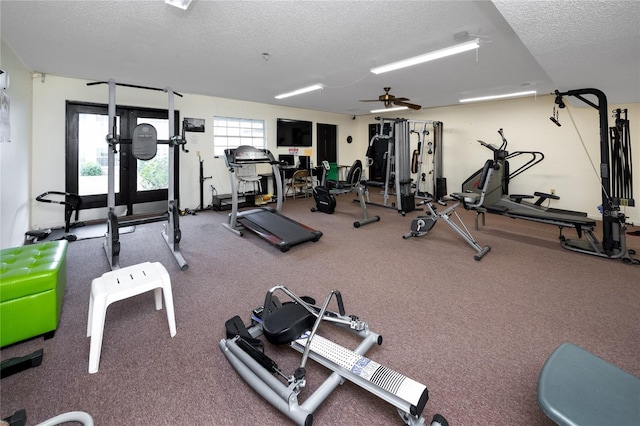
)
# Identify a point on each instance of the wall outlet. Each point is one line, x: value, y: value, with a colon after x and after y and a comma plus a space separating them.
x: 553, y: 191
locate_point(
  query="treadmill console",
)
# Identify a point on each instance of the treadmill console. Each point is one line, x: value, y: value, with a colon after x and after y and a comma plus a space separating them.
x: 249, y: 154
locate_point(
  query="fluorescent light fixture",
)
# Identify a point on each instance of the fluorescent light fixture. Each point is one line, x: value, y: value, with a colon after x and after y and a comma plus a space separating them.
x: 508, y: 95
x: 436, y: 54
x: 389, y: 109
x: 301, y: 91
x: 182, y: 4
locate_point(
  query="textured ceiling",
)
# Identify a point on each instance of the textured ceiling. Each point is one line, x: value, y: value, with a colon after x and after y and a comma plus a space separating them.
x: 216, y: 47
x: 582, y: 43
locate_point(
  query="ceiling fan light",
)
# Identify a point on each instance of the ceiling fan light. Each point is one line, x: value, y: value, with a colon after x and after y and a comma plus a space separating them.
x: 436, y: 54
x: 307, y: 89
x: 493, y: 97
x: 373, y: 111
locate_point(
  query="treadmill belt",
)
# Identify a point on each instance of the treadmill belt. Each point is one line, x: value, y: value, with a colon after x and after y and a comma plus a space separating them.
x: 269, y: 223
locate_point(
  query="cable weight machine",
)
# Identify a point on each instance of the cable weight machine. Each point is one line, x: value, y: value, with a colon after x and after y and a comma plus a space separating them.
x: 144, y: 148
x: 400, y: 163
x: 437, y: 188
x: 615, y: 176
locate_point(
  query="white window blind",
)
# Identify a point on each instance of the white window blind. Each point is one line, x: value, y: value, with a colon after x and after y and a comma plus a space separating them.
x: 232, y: 132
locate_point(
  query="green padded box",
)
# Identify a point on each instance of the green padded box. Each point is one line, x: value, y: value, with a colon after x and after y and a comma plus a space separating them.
x: 33, y: 279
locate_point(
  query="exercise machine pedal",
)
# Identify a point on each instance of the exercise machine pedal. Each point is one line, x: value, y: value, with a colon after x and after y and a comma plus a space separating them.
x: 235, y: 327
x: 19, y: 418
x: 439, y: 420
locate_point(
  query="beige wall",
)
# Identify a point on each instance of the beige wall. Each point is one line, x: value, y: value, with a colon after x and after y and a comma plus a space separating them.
x: 15, y: 171
x: 566, y: 167
x: 49, y: 99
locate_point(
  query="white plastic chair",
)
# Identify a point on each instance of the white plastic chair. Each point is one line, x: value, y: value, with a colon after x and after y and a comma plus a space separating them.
x: 121, y: 284
x: 247, y: 174
x: 71, y: 416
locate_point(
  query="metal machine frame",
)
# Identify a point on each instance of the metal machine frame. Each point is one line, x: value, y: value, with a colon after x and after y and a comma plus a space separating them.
x: 421, y: 225
x: 351, y: 185
x: 261, y: 373
x: 171, y: 231
x: 266, y: 222
x: 616, y: 187
x: 398, y: 174
x: 613, y: 243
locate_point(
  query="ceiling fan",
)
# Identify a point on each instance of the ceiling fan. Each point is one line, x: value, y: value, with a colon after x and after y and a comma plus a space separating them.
x: 389, y: 100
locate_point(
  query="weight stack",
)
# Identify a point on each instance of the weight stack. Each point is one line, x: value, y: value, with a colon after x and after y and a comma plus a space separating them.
x: 408, y: 202
x: 441, y: 188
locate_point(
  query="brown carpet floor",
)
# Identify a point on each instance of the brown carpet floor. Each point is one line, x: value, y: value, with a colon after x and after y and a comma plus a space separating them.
x: 475, y: 333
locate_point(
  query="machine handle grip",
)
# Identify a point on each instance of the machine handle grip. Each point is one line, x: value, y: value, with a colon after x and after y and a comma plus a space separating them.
x: 340, y: 304
x: 267, y: 305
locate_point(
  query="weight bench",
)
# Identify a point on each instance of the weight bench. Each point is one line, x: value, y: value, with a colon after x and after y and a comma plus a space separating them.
x: 578, y: 388
x: 296, y: 323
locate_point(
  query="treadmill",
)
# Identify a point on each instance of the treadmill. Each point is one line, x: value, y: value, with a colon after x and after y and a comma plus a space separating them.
x: 266, y: 222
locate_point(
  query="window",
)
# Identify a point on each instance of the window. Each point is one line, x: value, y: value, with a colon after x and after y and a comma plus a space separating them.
x: 92, y: 154
x: 233, y: 132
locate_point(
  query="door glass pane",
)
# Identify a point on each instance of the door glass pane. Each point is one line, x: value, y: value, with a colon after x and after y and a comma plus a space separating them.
x: 154, y: 173
x: 93, y: 151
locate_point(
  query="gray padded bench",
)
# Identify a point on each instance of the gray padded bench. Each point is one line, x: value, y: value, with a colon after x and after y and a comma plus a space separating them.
x: 578, y: 388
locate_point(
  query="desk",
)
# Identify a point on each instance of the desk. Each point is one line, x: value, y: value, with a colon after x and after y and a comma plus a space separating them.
x: 264, y: 180
x: 287, y: 172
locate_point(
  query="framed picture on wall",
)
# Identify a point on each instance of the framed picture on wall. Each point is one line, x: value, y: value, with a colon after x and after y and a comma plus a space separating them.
x: 194, y: 125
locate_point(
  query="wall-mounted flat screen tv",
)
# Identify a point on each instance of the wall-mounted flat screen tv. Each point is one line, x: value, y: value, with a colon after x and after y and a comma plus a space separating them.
x: 293, y: 132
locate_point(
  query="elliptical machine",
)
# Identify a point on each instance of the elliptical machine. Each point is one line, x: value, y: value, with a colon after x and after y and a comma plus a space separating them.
x: 498, y: 199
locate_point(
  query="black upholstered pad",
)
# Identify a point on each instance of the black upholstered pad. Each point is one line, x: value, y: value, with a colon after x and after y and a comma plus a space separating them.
x: 287, y: 323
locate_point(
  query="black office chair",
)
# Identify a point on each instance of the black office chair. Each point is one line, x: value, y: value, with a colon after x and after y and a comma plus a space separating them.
x: 352, y: 180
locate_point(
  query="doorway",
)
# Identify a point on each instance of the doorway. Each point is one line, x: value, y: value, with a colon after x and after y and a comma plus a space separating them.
x: 136, y: 181
x: 327, y: 138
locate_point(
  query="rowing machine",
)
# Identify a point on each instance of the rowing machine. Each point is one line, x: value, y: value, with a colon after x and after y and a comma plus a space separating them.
x: 296, y: 323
